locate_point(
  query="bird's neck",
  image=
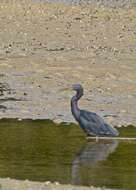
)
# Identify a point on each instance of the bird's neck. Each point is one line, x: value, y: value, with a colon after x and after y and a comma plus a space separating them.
x: 74, y: 106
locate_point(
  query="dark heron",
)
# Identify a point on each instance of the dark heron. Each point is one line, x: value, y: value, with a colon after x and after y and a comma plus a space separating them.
x: 90, y: 122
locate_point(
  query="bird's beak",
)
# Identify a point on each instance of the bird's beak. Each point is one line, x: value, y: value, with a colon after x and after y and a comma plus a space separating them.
x: 67, y: 88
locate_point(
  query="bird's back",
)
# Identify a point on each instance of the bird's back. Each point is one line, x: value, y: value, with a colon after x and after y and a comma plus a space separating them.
x: 94, y: 125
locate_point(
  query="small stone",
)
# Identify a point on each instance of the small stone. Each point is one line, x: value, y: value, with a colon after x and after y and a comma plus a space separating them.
x: 56, y: 183
x: 47, y: 182
x: 57, y: 121
x: 7, y: 51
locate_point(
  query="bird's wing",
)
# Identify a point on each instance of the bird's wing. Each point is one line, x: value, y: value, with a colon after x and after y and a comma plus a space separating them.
x: 94, y: 124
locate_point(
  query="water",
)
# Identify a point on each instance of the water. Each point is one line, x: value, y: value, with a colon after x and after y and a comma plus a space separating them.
x: 42, y: 151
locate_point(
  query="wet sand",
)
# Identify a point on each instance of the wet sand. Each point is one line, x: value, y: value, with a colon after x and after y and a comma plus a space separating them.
x: 46, y: 47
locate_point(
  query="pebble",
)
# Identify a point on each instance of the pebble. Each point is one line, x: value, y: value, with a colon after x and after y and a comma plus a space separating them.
x: 47, y: 182
x: 57, y: 121
x: 56, y: 183
x: 20, y: 119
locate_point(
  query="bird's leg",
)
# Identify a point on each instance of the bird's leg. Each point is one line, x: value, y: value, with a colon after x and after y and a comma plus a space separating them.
x: 97, y: 138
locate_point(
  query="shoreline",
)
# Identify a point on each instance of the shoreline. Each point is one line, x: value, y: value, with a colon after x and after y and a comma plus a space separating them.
x: 12, y: 184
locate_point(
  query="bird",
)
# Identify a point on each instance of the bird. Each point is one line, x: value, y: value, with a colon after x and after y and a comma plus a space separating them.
x: 91, y: 123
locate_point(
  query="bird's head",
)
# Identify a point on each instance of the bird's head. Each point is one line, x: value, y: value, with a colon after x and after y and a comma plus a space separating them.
x: 77, y: 88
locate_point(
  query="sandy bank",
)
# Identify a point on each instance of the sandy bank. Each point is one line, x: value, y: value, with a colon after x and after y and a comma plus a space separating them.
x: 45, y: 47
x: 11, y: 184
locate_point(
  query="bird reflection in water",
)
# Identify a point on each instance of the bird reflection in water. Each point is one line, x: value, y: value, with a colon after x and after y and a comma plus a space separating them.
x: 91, y: 155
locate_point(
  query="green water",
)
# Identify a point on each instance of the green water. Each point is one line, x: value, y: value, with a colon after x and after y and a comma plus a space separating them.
x: 42, y: 151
